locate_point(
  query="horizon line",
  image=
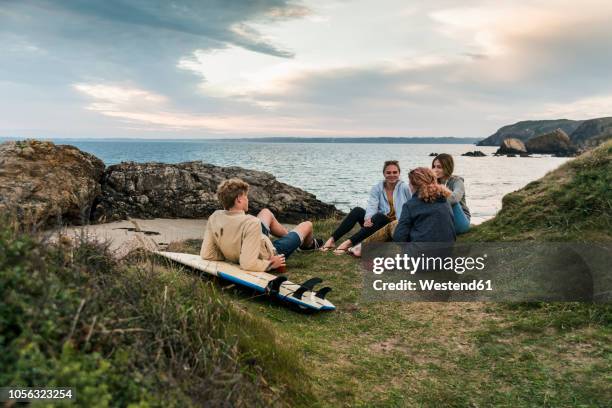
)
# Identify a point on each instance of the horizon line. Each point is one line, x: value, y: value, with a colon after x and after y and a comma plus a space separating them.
x: 259, y: 138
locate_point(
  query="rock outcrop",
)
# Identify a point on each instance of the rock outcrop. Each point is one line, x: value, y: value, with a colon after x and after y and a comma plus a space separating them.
x: 556, y: 142
x: 42, y: 183
x: 475, y: 153
x: 511, y: 146
x: 527, y: 129
x: 188, y: 190
x: 46, y: 184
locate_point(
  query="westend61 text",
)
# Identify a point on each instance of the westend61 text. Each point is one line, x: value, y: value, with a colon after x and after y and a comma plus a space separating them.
x: 432, y: 285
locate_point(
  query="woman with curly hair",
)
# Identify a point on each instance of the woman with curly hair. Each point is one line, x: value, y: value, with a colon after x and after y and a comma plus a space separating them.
x: 443, y: 166
x: 427, y: 216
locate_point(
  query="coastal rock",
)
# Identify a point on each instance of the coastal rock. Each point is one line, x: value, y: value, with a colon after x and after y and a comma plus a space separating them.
x: 556, y: 142
x: 43, y: 183
x: 511, y: 146
x: 188, y: 190
x: 475, y: 153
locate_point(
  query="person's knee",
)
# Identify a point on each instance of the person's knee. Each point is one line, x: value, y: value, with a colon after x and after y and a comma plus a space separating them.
x: 380, y: 219
x: 358, y: 211
x: 265, y: 213
x: 306, y: 226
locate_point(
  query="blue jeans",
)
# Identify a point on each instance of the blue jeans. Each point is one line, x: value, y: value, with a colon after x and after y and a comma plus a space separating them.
x: 285, y: 245
x: 462, y: 222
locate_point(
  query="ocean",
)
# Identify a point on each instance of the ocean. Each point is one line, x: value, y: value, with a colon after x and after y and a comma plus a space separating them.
x: 340, y: 173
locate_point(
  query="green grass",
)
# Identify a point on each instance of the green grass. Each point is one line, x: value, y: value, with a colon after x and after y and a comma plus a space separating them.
x: 377, y: 354
x: 439, y: 354
x: 463, y: 354
x: 146, y: 335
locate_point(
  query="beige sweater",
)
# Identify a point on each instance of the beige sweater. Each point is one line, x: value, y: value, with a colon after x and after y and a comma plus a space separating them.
x: 236, y: 237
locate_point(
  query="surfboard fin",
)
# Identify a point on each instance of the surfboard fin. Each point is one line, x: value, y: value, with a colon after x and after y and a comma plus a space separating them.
x: 308, y: 285
x: 274, y: 285
x: 322, y: 292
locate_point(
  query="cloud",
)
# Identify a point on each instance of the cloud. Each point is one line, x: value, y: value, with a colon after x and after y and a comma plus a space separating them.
x: 145, y: 110
x: 133, y: 40
x: 51, y: 45
x: 507, y: 58
x: 584, y: 108
x: 276, y: 67
x: 216, y: 20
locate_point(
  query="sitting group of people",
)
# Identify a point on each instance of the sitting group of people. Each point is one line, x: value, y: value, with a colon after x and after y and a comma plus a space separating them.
x: 431, y: 207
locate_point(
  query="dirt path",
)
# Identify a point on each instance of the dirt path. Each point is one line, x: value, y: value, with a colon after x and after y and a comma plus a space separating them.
x: 123, y: 236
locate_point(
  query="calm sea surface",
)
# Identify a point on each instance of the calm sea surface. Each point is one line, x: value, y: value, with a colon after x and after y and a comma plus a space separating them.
x: 338, y: 173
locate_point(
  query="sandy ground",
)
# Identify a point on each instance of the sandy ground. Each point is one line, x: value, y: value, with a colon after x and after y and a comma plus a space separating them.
x: 123, y: 236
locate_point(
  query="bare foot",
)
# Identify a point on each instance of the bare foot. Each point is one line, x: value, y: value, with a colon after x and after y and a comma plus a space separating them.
x: 343, y: 247
x: 329, y: 244
x: 355, y: 251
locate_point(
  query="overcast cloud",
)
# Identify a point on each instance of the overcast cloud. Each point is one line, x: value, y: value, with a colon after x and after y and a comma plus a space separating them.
x: 141, y: 68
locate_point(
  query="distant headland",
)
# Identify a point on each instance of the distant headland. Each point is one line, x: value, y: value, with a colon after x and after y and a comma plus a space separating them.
x: 582, y: 133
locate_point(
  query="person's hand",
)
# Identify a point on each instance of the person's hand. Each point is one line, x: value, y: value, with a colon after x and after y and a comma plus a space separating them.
x: 277, y: 261
x: 368, y: 222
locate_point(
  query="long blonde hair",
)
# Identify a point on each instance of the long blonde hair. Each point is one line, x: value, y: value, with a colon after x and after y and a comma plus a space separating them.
x: 428, y: 189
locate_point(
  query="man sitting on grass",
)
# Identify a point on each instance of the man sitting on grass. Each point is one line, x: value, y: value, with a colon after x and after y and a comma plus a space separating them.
x: 234, y: 236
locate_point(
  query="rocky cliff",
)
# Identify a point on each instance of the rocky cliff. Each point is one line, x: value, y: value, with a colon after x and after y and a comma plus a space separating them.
x: 46, y: 184
x: 582, y: 133
x: 527, y: 129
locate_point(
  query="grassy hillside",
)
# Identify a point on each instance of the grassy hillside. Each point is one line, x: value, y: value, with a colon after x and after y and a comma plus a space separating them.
x: 149, y: 322
x: 571, y: 203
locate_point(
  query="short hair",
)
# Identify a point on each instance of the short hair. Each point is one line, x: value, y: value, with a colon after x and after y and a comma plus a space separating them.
x: 229, y: 190
x: 391, y: 163
x: 447, y: 163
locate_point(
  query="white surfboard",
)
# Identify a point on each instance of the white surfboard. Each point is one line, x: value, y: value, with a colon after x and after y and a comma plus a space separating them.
x: 260, y: 281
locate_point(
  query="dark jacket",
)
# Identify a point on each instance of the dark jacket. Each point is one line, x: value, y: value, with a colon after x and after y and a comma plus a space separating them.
x: 425, y: 222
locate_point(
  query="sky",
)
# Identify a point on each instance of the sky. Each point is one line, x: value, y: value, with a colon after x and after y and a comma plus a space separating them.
x: 219, y: 68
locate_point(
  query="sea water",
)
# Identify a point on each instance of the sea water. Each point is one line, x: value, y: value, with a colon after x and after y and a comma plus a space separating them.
x: 340, y: 173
